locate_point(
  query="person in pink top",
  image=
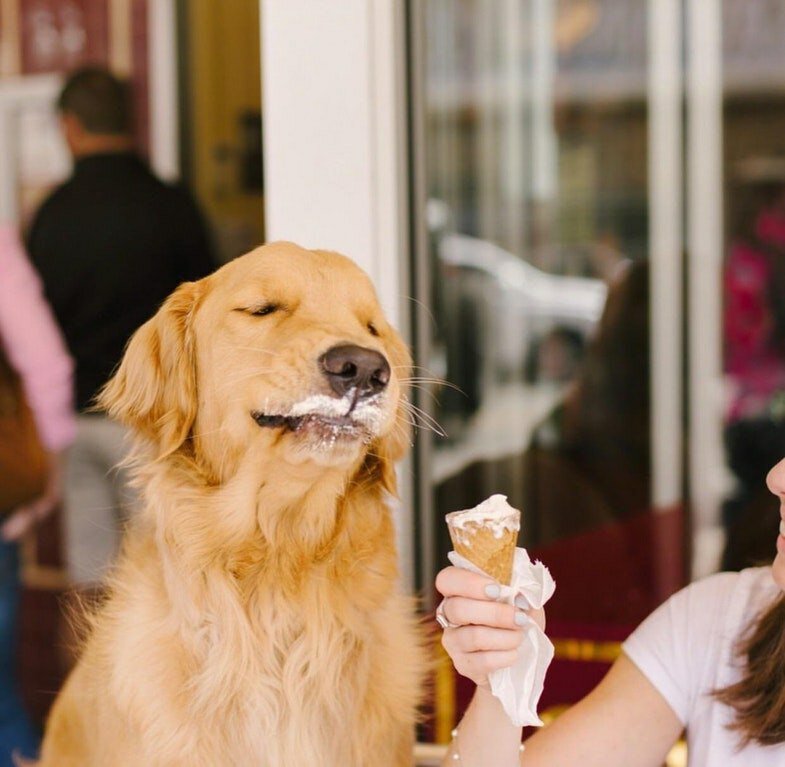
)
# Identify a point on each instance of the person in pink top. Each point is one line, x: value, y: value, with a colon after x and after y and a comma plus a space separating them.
x: 35, y: 349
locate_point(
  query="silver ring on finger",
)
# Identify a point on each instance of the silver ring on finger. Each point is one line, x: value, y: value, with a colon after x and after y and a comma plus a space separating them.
x: 442, y: 619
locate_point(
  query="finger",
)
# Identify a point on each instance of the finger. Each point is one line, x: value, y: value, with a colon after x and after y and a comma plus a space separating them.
x: 456, y: 581
x: 478, y: 666
x: 465, y: 611
x: 472, y: 639
x: 538, y: 616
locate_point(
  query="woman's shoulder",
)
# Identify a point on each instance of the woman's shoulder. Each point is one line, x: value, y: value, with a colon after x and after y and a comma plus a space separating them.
x: 686, y: 644
x: 681, y: 646
x: 731, y: 596
x: 712, y: 604
x: 753, y: 580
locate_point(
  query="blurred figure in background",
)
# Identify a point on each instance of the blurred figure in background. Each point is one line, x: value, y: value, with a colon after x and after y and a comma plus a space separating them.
x: 587, y: 464
x: 110, y: 244
x: 557, y: 358
x: 587, y: 476
x: 32, y: 346
x: 755, y: 357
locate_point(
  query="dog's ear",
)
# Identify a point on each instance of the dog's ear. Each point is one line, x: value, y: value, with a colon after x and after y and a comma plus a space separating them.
x: 153, y: 390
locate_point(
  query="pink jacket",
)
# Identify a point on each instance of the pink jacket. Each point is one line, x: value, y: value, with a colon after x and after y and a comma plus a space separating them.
x: 34, y: 345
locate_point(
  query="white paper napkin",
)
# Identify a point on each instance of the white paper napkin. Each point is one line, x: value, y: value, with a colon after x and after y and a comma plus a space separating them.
x: 519, y: 687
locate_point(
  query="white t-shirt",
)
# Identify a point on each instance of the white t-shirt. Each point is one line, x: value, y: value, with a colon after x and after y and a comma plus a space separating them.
x: 685, y: 648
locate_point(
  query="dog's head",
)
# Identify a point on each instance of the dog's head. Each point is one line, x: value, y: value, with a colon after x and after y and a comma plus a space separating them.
x: 285, y: 349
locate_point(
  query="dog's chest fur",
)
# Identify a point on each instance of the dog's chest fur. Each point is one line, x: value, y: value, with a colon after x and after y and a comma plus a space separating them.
x: 324, y: 680
x: 290, y: 676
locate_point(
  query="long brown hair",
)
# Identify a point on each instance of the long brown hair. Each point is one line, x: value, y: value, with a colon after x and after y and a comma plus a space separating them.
x: 758, y: 698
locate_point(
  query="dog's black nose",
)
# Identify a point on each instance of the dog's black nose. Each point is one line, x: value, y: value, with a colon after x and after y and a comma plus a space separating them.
x: 354, y: 367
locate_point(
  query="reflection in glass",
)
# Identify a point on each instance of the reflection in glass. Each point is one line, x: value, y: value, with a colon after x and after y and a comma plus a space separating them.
x: 536, y: 177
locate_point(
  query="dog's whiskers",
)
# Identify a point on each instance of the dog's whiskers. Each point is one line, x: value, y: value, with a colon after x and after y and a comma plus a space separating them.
x: 422, y: 419
x: 409, y: 419
x: 435, y: 381
x: 427, y: 391
x: 413, y: 368
x: 425, y: 307
x: 416, y: 383
x: 415, y: 426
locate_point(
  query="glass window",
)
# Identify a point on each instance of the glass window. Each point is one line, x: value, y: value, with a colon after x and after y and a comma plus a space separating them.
x: 535, y: 178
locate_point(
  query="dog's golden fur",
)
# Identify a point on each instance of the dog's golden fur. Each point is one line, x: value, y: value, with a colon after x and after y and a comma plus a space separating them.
x: 254, y: 616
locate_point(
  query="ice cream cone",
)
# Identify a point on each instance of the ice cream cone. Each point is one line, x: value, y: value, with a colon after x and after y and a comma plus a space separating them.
x: 486, y: 535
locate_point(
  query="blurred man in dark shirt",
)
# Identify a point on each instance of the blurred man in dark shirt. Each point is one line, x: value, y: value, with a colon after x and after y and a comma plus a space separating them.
x: 110, y: 244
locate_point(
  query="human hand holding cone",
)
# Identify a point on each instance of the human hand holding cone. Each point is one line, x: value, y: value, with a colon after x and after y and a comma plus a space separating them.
x: 487, y: 535
x: 485, y: 538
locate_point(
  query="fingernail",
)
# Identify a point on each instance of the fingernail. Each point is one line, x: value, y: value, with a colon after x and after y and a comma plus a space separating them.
x: 521, y: 619
x: 522, y: 602
x: 493, y: 590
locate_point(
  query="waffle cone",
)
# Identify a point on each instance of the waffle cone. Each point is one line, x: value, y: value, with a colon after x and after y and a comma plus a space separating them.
x: 491, y: 553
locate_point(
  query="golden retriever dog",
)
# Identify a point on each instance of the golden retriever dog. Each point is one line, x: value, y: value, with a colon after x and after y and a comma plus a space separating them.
x: 254, y: 617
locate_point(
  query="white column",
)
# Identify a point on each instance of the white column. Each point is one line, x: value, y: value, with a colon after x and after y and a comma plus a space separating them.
x: 544, y: 145
x: 705, y: 249
x: 665, y: 249
x: 511, y: 161
x: 335, y: 146
x: 485, y: 96
x: 334, y: 128
x: 162, y: 41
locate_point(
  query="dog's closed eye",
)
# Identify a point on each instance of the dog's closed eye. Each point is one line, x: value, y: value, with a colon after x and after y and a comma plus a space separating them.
x: 263, y: 311
x: 260, y: 311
